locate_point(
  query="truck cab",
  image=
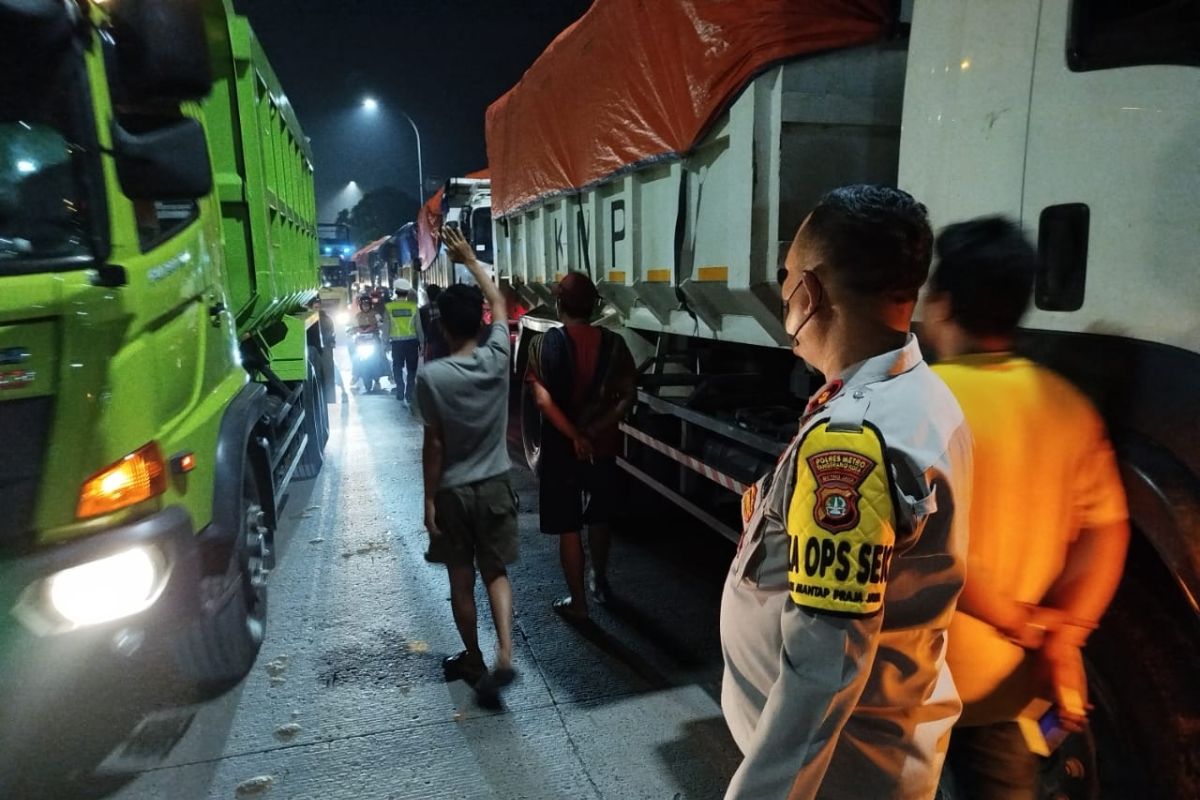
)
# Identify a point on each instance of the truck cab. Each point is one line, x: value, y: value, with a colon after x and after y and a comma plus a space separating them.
x: 158, y: 388
x: 467, y: 205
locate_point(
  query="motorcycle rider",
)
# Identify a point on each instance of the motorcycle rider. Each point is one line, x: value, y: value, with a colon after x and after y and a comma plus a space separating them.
x: 366, y: 321
x: 367, y: 324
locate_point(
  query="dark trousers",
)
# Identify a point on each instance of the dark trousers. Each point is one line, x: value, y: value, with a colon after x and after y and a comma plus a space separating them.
x: 991, y: 762
x: 404, y: 357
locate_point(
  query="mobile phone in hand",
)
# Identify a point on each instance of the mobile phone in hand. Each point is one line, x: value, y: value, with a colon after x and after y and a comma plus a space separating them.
x: 1042, y: 727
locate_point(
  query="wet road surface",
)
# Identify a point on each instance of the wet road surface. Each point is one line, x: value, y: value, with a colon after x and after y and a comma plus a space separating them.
x: 347, y: 698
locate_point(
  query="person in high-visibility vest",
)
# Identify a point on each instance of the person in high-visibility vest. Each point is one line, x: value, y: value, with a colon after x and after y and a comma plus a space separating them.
x: 401, y: 314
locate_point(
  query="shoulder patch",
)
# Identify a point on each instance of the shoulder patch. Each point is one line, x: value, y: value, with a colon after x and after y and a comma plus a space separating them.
x: 749, y: 503
x: 841, y: 522
x: 838, y: 475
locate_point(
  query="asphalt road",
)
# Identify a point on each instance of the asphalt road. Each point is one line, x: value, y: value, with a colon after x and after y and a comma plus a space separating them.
x: 347, y: 699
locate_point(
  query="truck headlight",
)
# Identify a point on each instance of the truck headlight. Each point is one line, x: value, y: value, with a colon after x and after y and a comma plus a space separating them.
x: 108, y: 588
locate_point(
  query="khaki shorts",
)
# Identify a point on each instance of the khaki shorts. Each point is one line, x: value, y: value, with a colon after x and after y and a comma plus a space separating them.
x: 478, y: 524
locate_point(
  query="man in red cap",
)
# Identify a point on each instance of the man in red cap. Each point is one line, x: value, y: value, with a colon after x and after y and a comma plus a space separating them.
x: 584, y: 380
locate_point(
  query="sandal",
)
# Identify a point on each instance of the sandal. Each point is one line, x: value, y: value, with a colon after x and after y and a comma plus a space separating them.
x: 502, y: 677
x: 464, y: 667
x: 567, y: 610
x: 487, y: 690
x: 599, y: 589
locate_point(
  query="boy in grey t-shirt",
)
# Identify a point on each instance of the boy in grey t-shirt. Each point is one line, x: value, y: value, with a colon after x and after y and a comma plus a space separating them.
x: 470, y: 508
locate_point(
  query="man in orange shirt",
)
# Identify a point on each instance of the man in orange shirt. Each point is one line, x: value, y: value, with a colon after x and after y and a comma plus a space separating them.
x: 1049, y: 525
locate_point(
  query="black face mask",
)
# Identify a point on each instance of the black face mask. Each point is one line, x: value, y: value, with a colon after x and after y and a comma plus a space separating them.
x: 781, y: 277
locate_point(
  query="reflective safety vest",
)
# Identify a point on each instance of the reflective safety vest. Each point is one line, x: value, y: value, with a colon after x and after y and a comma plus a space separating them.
x: 402, y: 319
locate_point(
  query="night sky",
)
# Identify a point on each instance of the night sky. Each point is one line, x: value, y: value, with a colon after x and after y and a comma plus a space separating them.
x: 442, y: 62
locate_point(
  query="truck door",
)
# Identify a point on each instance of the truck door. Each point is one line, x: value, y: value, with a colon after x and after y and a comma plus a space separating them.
x: 1112, y: 173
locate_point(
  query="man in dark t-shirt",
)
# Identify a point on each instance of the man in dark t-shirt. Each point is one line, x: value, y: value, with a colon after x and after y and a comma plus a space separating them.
x: 432, y: 340
x: 584, y: 380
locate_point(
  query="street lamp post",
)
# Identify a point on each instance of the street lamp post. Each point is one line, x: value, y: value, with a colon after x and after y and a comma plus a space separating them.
x: 370, y: 104
x: 420, y: 166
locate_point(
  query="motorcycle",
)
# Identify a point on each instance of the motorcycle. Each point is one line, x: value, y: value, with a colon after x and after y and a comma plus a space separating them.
x: 368, y: 362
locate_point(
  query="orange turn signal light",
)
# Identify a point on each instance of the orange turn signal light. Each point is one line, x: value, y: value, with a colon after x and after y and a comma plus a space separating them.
x: 138, y: 476
x: 183, y: 463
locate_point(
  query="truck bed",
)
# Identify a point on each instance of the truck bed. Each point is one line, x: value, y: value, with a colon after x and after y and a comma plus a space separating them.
x: 691, y: 246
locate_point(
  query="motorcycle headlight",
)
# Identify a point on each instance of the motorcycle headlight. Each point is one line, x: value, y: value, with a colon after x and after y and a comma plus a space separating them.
x: 364, y: 350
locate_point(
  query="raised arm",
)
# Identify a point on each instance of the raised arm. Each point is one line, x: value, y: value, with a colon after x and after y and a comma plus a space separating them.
x: 460, y: 250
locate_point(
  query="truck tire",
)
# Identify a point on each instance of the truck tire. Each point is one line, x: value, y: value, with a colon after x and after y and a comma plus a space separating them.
x: 322, y: 414
x: 1144, y: 656
x: 313, y: 457
x: 321, y: 386
x: 217, y: 651
x: 531, y: 427
x: 1142, y: 740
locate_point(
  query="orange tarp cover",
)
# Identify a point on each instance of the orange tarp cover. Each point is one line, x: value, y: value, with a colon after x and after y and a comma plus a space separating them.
x: 429, y: 223
x: 633, y: 81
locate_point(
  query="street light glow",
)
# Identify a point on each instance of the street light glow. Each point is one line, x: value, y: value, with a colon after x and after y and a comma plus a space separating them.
x: 370, y: 104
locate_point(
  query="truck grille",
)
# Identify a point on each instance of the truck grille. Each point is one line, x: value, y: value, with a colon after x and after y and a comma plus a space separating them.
x: 24, y: 425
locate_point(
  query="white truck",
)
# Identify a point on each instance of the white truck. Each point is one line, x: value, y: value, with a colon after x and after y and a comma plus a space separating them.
x: 466, y: 203
x: 1077, y: 118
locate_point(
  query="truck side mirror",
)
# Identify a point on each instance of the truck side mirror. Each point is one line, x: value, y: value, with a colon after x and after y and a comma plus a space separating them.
x: 167, y: 161
x: 162, y: 49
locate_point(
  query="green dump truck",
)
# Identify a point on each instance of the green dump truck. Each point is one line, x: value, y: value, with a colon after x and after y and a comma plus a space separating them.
x: 160, y: 374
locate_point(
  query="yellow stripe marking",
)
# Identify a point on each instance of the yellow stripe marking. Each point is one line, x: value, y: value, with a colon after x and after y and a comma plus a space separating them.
x: 616, y: 275
x: 716, y: 274
x: 658, y: 275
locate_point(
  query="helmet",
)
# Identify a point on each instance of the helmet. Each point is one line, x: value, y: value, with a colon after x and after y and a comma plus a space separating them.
x: 403, y: 285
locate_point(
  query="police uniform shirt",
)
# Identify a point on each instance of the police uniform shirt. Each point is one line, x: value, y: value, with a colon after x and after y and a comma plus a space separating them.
x: 834, y: 614
x: 402, y: 316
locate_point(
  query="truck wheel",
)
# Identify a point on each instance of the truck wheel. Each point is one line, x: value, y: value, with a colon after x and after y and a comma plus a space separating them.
x: 1147, y: 699
x: 313, y: 457
x: 531, y: 427
x: 1141, y: 740
x: 218, y: 650
x: 322, y: 413
x: 320, y: 387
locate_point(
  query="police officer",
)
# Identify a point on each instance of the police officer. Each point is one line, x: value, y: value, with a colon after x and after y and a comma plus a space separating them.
x: 401, y: 312
x: 834, y: 614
